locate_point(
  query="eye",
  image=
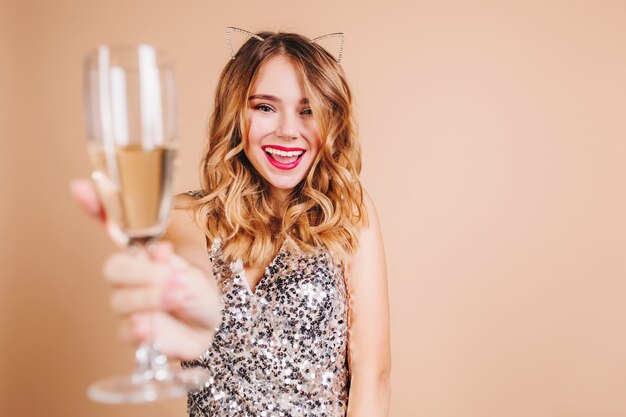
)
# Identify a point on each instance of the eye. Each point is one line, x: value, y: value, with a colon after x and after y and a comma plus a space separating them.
x: 264, y: 108
x: 307, y: 112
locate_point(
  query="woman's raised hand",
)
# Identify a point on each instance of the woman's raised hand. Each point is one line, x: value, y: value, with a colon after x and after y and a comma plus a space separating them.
x: 158, y: 294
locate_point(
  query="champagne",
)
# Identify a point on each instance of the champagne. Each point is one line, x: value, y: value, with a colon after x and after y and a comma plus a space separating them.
x: 134, y: 185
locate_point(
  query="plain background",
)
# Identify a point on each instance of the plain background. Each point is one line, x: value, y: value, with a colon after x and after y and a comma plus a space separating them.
x: 494, y: 137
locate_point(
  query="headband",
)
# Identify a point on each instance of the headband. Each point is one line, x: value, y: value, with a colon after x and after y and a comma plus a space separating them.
x: 255, y: 36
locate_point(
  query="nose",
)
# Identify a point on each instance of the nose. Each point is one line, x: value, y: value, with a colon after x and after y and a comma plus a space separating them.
x: 287, y: 127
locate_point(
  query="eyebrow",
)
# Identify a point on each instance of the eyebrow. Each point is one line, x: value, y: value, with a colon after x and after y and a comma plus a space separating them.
x: 275, y: 99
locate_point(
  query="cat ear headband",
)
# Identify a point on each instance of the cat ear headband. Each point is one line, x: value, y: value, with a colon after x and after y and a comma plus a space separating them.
x: 255, y: 36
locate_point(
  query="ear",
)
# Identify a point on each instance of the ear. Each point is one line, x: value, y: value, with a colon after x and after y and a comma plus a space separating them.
x: 245, y: 32
x: 332, y: 35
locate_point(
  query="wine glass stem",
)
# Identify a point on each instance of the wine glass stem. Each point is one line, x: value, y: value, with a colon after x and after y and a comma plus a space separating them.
x: 150, y: 363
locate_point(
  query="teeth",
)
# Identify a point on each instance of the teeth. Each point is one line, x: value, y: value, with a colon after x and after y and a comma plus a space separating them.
x: 283, y: 153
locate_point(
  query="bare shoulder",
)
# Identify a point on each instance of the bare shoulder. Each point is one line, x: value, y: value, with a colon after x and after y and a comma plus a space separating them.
x: 369, y: 258
x: 370, y: 233
x: 185, y: 234
x: 372, y: 213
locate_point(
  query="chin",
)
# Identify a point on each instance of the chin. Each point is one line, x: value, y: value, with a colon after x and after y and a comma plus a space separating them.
x: 284, y: 186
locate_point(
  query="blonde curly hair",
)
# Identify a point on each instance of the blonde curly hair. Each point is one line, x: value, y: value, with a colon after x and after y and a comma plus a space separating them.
x: 327, y: 208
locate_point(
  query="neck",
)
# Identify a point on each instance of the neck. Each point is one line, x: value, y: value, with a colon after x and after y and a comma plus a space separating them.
x: 279, y: 196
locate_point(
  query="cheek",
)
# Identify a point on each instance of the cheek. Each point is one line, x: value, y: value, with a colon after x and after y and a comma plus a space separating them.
x: 313, y: 133
x: 315, y: 140
x: 259, y: 127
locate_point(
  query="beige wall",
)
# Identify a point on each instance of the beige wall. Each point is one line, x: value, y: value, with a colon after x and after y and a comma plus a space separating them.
x: 494, y: 136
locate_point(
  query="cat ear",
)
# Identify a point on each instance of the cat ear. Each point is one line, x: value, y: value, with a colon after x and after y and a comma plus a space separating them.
x: 332, y: 35
x: 245, y: 32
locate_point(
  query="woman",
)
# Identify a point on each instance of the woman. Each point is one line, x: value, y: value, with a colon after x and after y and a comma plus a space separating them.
x: 295, y: 275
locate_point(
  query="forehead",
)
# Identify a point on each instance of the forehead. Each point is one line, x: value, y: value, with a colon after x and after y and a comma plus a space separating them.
x: 280, y: 77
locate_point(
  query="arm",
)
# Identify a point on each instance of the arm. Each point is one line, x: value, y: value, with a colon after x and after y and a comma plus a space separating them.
x: 177, y: 287
x: 369, y: 346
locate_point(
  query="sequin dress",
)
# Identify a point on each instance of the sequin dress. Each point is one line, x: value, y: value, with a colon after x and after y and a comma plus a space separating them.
x: 280, y: 351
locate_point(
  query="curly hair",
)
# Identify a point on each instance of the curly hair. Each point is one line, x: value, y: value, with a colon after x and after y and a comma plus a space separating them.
x: 326, y: 209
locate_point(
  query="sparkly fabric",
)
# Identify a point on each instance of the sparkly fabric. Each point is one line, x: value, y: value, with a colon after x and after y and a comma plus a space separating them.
x: 280, y: 350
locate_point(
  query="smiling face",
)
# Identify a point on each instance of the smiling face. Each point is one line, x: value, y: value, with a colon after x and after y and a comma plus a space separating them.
x: 283, y: 138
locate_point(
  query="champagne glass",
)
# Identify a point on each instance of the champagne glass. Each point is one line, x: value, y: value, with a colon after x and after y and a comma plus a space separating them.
x: 130, y: 118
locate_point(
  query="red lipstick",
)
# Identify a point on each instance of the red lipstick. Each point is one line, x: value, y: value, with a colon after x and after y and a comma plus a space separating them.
x: 282, y: 165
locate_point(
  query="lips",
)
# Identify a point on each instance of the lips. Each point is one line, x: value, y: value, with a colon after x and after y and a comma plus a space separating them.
x: 283, y: 157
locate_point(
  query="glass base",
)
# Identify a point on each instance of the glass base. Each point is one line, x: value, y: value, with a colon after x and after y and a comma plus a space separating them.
x: 145, y: 387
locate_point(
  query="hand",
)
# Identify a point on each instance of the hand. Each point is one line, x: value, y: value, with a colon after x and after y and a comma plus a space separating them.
x: 160, y: 296
x: 157, y: 293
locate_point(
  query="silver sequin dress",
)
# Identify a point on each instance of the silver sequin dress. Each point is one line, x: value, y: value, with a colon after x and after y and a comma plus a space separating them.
x: 280, y: 351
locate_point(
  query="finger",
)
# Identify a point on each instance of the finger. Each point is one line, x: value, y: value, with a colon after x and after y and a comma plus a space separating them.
x: 175, y: 292
x: 174, y: 338
x: 84, y: 192
x: 193, y: 296
x: 136, y: 328
x: 134, y: 269
x: 161, y: 251
x: 132, y: 331
x: 126, y: 300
